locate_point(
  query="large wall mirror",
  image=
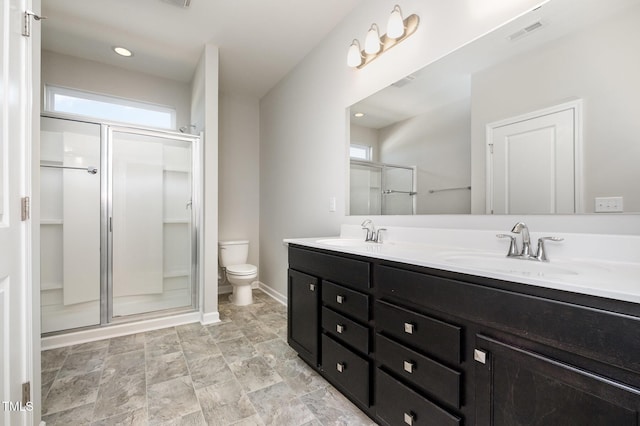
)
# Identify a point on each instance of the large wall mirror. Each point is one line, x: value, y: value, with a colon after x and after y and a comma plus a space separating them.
x: 540, y: 116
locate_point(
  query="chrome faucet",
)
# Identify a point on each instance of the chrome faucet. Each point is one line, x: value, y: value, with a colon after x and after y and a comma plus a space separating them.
x: 526, y: 253
x: 373, y: 234
x: 371, y: 229
x: 521, y: 228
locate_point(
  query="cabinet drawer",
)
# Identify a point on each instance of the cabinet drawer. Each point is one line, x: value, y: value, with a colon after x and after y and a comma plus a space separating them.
x: 346, y: 369
x: 437, y: 380
x: 345, y: 330
x: 424, y: 333
x: 398, y: 405
x: 354, y: 273
x: 346, y: 301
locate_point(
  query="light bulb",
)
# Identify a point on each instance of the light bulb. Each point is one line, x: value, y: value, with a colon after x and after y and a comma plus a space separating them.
x: 122, y: 51
x: 372, y: 41
x: 395, y: 25
x: 354, y: 57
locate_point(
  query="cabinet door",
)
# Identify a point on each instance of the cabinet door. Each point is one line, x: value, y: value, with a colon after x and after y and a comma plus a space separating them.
x: 303, y: 332
x: 518, y: 387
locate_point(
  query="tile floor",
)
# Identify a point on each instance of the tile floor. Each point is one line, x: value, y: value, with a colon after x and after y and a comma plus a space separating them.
x: 237, y: 372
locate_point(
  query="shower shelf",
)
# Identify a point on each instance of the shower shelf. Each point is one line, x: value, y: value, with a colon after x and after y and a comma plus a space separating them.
x: 173, y: 221
x: 51, y: 286
x: 51, y: 222
x: 177, y: 273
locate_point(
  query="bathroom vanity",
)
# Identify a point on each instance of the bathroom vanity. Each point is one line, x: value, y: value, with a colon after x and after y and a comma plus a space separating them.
x: 431, y: 345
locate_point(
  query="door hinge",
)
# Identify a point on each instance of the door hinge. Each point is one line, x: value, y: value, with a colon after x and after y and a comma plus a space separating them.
x: 26, y: 22
x: 25, y: 208
x: 26, y: 393
x: 491, y: 148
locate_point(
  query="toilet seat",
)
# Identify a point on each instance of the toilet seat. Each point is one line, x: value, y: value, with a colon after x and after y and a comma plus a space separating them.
x: 241, y: 270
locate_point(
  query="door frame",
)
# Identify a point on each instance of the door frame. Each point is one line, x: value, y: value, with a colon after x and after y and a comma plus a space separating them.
x: 21, y: 74
x: 577, y: 107
x: 108, y: 129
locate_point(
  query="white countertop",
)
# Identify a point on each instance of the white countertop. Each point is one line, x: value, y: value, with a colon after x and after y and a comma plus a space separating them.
x: 599, y: 265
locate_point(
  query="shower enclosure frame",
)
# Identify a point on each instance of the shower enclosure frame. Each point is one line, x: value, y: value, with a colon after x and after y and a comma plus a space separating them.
x: 382, y: 167
x: 106, y: 211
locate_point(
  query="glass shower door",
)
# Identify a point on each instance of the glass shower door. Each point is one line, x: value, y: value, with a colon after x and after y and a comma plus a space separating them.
x: 150, y: 222
x: 365, y: 186
x: 398, y: 191
x: 70, y: 224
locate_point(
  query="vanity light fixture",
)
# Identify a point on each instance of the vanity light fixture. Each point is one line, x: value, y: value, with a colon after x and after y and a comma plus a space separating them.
x: 398, y: 29
x: 395, y: 25
x: 372, y: 40
x: 354, y: 57
x: 122, y: 51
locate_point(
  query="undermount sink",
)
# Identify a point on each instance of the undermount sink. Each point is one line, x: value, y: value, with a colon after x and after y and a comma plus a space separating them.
x: 510, y: 265
x: 343, y: 242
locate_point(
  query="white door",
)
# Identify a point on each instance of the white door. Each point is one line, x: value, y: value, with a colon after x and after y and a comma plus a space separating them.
x: 532, y: 163
x: 15, y: 113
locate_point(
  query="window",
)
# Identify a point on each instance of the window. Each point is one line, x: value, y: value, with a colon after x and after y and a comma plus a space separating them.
x: 108, y: 108
x: 360, y: 152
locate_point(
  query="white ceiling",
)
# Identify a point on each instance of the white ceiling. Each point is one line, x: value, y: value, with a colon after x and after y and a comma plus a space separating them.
x: 260, y: 41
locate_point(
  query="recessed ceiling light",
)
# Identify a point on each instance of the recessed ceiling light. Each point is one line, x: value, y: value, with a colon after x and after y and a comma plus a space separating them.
x: 358, y: 114
x: 122, y: 51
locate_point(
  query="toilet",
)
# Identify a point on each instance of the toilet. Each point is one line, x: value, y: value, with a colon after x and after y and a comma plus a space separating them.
x: 233, y: 260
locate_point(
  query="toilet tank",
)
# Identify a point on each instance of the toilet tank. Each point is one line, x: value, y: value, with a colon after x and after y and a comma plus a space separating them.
x: 233, y: 252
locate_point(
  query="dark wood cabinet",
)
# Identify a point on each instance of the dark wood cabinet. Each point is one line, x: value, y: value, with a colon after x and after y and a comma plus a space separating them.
x: 421, y: 346
x: 331, y: 328
x: 302, y: 321
x: 519, y: 387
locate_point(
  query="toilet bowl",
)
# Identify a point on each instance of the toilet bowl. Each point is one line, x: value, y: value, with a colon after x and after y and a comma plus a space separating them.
x: 240, y: 274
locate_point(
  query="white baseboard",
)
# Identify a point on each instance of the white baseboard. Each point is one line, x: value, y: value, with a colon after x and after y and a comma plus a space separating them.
x: 210, y: 318
x: 116, y: 330
x: 273, y: 293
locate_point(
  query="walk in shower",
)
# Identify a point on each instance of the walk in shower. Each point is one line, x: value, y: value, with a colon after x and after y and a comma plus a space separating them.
x: 378, y: 188
x: 119, y: 223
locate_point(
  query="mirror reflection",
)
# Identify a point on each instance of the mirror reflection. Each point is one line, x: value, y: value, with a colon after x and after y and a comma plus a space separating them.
x: 537, y: 117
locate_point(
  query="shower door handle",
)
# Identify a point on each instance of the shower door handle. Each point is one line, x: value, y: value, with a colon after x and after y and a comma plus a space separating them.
x: 111, y: 224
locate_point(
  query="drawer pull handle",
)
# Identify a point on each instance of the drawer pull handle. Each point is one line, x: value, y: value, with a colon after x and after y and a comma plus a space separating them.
x: 409, y: 418
x: 340, y: 299
x: 339, y: 328
x: 312, y: 287
x: 480, y: 356
x: 408, y: 328
x: 409, y: 366
x: 341, y: 367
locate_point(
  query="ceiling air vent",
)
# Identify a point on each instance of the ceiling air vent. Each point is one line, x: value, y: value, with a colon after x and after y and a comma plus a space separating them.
x: 180, y: 3
x: 404, y: 81
x: 526, y: 30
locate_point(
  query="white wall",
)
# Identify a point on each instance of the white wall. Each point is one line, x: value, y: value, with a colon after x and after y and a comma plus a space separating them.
x: 91, y: 76
x: 437, y: 142
x: 605, y: 53
x: 238, y: 172
x: 303, y: 156
x: 204, y: 113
